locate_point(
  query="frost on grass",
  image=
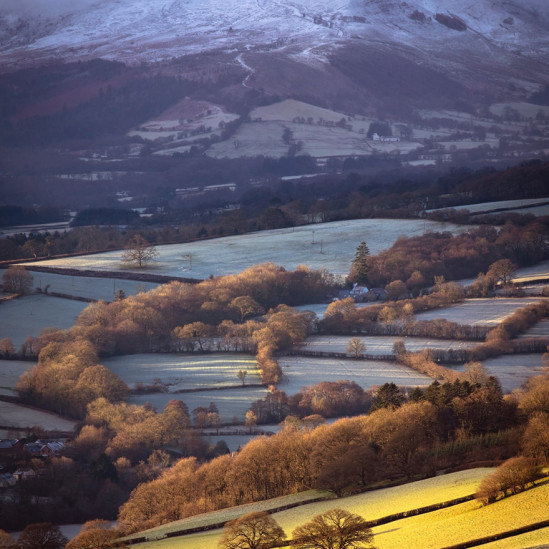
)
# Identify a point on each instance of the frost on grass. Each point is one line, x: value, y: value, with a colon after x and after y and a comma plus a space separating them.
x: 331, y: 247
x: 304, y: 371
x: 482, y: 311
x: 184, y: 372
x: 29, y: 315
x: 14, y: 415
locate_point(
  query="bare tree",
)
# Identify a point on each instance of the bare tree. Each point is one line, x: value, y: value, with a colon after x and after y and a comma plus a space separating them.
x: 251, y: 420
x: 139, y: 252
x: 256, y: 530
x: 334, y: 529
x: 241, y: 374
x: 501, y: 271
x: 356, y: 347
x: 6, y: 347
x: 17, y: 279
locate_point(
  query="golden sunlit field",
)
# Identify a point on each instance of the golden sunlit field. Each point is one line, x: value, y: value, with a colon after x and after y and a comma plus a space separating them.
x: 370, y: 505
x: 464, y: 522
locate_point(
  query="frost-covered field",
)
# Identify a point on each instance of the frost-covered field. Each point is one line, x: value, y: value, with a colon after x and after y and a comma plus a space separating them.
x: 539, y: 211
x: 87, y: 287
x: 380, y: 345
x: 10, y: 372
x: 29, y: 315
x: 304, y: 371
x: 517, y: 205
x: 15, y: 415
x: 371, y: 505
x: 266, y: 138
x: 289, y: 109
x: 231, y: 403
x: 524, y: 274
x: 328, y: 246
x: 181, y: 371
x: 541, y: 329
x: 528, y: 110
x: 513, y: 370
x: 482, y: 311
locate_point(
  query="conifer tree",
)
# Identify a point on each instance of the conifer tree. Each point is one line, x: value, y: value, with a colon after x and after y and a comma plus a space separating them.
x: 359, y: 268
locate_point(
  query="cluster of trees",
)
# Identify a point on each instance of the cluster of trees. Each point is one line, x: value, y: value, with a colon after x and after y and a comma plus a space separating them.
x: 16, y: 279
x: 313, y: 403
x: 333, y: 529
x: 397, y: 318
x: 401, y: 440
x: 418, y: 260
x: 25, y: 215
x: 514, y: 476
x: 174, y: 316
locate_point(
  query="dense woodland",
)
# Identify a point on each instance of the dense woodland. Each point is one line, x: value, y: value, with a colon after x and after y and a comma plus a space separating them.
x: 447, y: 425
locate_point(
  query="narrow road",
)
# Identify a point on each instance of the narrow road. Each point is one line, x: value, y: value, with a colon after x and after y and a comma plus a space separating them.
x: 247, y: 67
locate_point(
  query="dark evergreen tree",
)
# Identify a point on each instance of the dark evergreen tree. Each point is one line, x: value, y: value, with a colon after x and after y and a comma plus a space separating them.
x: 359, y: 268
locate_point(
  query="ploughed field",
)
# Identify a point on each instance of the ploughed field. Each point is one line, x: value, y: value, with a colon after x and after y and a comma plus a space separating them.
x: 328, y: 246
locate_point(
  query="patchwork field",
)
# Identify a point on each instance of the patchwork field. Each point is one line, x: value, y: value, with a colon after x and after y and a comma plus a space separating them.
x: 482, y: 311
x: 370, y: 505
x: 29, y: 315
x: 380, y: 345
x: 328, y: 246
x: 14, y: 415
x: 303, y: 371
x: 181, y: 372
x: 513, y: 370
x: 10, y: 372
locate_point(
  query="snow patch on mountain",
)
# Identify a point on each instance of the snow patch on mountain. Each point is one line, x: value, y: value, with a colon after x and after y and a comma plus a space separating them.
x: 146, y: 30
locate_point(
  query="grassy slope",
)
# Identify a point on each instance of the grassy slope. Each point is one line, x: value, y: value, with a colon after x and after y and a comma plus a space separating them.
x: 539, y: 539
x: 465, y: 522
x: 370, y: 505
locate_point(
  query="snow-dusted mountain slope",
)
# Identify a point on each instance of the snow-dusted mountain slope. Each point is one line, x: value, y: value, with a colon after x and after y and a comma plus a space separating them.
x: 147, y: 30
